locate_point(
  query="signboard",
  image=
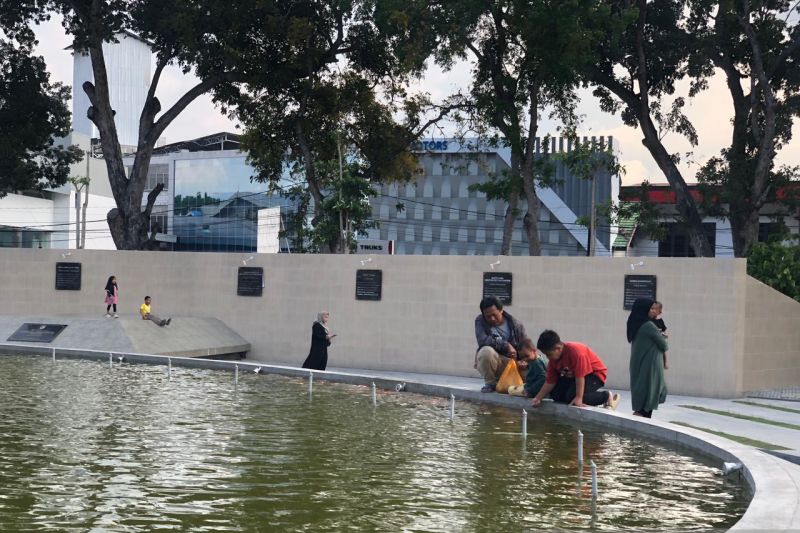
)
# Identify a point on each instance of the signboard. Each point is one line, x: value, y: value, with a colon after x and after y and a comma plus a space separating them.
x: 250, y: 281
x: 638, y: 286
x: 368, y: 284
x: 68, y: 276
x: 37, y: 332
x: 375, y: 247
x: 498, y: 284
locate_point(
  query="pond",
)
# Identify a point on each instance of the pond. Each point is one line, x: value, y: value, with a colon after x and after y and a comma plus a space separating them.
x: 88, y: 447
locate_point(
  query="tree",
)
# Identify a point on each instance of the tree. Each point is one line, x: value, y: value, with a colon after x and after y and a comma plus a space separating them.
x: 350, y: 61
x: 756, y: 45
x: 776, y: 264
x: 646, y: 50
x: 221, y: 42
x: 33, y: 111
x: 525, y: 59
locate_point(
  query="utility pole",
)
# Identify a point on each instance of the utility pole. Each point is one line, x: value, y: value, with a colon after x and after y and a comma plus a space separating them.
x: 86, y: 196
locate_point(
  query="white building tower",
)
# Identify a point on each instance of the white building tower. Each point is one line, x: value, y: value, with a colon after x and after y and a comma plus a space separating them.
x: 128, y: 63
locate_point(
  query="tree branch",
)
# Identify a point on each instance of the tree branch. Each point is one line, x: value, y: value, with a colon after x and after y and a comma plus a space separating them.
x: 170, y: 115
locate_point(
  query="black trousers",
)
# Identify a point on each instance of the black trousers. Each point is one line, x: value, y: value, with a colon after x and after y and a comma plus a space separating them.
x: 564, y: 391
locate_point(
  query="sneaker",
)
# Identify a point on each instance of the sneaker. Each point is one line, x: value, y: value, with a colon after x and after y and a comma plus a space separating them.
x: 116, y: 315
x: 613, y: 401
x: 489, y: 387
x: 169, y: 320
x: 108, y: 315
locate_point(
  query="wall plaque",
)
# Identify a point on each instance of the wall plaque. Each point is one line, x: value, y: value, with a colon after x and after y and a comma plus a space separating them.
x: 250, y: 281
x: 68, y: 276
x: 498, y: 284
x: 638, y: 286
x: 37, y: 332
x: 369, y: 284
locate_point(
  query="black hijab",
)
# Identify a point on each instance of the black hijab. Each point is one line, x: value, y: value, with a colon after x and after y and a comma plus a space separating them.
x: 639, y: 316
x: 110, y: 285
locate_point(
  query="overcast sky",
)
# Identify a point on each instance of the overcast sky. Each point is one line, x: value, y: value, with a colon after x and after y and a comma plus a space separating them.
x: 710, y: 112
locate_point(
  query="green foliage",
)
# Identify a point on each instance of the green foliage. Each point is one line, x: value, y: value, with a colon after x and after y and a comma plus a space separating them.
x: 757, y: 41
x: 32, y: 112
x: 351, y: 64
x: 776, y: 264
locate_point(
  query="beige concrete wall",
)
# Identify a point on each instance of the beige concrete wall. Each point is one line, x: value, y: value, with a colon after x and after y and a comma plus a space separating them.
x: 772, y: 339
x: 425, y: 321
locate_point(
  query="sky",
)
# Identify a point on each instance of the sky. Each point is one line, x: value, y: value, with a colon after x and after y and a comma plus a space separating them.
x: 710, y: 112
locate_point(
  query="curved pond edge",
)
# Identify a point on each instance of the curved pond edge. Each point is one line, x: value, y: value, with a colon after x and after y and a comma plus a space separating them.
x: 774, y: 482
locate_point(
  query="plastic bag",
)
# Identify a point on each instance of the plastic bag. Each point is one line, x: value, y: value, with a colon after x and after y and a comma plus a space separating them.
x: 510, y: 377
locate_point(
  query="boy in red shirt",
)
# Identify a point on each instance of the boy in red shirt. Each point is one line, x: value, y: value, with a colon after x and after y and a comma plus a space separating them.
x: 574, y: 373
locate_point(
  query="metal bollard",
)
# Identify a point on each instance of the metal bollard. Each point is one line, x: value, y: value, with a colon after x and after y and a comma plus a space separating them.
x: 374, y: 395
x: 594, y: 480
x: 580, y: 447
x: 452, y: 407
x: 524, y: 424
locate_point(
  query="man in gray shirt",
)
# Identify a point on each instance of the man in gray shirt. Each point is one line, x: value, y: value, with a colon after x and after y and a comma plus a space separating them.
x: 500, y: 338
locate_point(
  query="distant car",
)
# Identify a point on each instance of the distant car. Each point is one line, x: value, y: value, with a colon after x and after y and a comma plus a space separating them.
x: 194, y: 213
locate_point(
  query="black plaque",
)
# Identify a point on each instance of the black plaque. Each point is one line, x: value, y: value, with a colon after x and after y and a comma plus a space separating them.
x: 251, y: 281
x: 638, y: 286
x: 68, y: 276
x: 498, y: 284
x: 37, y: 332
x: 368, y: 284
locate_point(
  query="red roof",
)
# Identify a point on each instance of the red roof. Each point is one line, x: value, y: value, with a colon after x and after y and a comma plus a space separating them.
x: 664, y: 194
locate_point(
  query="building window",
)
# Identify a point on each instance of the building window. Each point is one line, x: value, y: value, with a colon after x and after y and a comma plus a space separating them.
x: 769, y: 231
x: 157, y: 174
x: 159, y: 223
x: 676, y: 243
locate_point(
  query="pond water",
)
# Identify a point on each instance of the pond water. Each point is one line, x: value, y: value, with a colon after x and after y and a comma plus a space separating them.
x: 85, y: 447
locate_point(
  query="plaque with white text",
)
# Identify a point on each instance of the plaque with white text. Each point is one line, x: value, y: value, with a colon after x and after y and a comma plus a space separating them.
x: 369, y: 284
x: 250, y: 281
x: 638, y: 286
x: 68, y: 276
x: 499, y: 285
x: 37, y: 332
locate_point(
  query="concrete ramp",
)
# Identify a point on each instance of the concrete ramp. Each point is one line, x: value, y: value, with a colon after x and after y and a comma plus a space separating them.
x: 185, y: 336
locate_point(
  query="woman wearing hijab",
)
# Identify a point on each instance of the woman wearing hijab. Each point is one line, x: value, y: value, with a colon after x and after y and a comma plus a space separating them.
x: 648, y: 388
x: 320, y: 340
x: 112, y: 296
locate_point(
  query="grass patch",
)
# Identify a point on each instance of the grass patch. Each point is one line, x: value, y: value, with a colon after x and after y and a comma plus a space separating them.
x: 767, y: 406
x: 743, y: 417
x: 736, y: 438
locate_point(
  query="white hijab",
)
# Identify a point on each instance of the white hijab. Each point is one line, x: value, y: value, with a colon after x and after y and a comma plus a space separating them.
x: 319, y: 321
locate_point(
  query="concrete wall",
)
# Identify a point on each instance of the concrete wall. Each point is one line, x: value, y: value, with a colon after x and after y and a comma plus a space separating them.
x: 424, y: 322
x: 772, y: 339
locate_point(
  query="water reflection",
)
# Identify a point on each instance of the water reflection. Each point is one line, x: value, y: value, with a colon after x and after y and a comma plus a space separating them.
x: 84, y: 447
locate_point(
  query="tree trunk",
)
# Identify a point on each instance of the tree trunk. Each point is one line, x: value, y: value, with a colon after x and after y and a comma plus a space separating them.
x: 129, y: 222
x: 744, y: 228
x: 508, y: 223
x: 530, y: 222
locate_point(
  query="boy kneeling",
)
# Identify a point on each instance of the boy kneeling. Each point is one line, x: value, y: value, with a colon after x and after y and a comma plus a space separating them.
x: 537, y: 370
x: 574, y: 373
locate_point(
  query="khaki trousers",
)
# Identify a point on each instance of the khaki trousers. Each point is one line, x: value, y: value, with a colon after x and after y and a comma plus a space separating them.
x: 491, y: 364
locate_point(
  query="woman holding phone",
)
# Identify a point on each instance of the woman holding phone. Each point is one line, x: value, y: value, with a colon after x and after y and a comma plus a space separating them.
x: 320, y: 340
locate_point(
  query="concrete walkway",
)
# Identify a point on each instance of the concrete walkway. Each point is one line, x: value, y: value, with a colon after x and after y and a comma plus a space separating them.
x: 768, y: 425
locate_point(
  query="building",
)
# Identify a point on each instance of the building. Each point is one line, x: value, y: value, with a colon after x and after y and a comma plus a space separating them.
x: 438, y: 214
x: 209, y: 201
x: 631, y: 242
x: 128, y: 64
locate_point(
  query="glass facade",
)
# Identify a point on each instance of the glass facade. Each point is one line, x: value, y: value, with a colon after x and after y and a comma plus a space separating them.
x: 11, y: 237
x: 216, y: 205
